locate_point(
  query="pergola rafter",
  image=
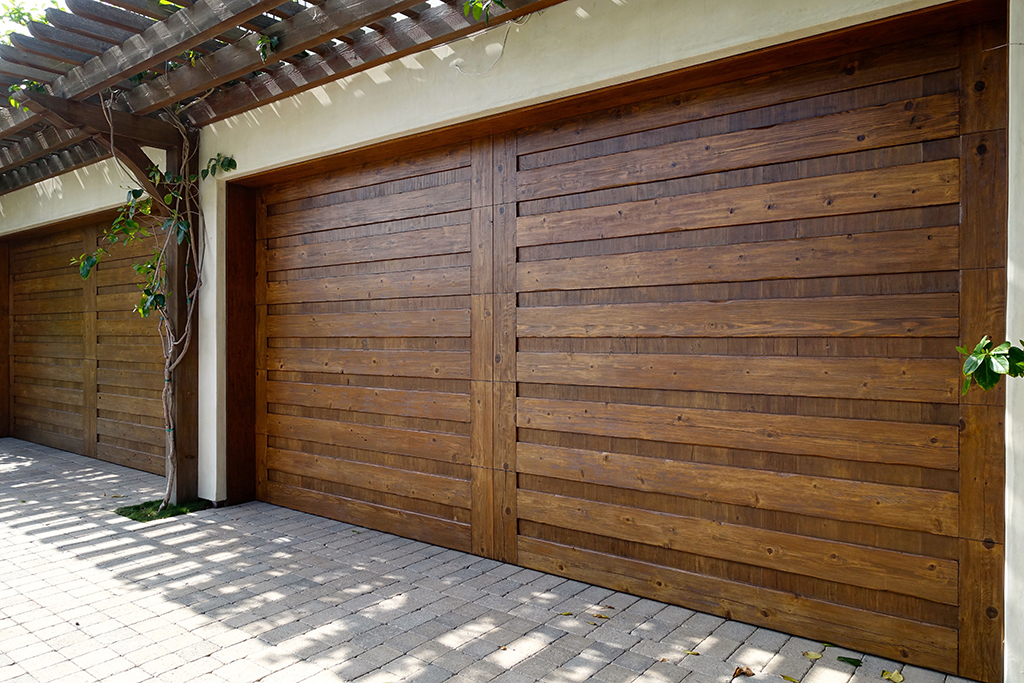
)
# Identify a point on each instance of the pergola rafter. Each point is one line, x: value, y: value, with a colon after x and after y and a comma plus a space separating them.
x: 135, y: 61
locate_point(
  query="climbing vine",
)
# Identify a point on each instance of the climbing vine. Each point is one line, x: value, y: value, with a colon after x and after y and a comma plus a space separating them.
x: 171, y: 212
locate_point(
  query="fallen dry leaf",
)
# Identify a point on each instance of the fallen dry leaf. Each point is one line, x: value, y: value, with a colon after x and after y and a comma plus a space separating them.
x: 692, y: 652
x: 742, y: 671
x: 812, y: 655
x: 894, y: 676
x: 565, y: 614
x: 600, y: 616
x: 790, y: 679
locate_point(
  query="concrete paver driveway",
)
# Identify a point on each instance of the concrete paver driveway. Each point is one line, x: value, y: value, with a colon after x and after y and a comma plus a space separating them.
x: 262, y: 593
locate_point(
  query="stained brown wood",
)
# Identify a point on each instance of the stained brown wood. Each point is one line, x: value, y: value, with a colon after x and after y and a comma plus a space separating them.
x: 916, y: 315
x: 897, y: 379
x: 69, y: 386
x: 925, y: 184
x: 866, y: 502
x: 881, y: 570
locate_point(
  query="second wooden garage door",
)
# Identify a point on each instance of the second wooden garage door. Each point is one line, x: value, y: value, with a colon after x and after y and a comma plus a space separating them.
x: 700, y: 348
x: 85, y: 370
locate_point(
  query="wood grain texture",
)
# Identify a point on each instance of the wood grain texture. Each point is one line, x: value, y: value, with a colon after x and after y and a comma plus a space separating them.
x: 68, y: 351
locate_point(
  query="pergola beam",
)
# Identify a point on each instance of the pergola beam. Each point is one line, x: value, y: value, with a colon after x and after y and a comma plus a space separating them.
x: 304, y: 31
x: 68, y: 114
x: 432, y: 27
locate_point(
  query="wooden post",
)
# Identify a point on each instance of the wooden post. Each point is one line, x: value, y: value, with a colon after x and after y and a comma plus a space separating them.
x: 240, y: 320
x: 5, y: 339
x: 180, y: 276
x: 983, y: 164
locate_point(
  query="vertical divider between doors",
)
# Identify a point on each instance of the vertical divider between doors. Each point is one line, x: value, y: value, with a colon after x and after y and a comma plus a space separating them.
x: 261, y: 349
x: 5, y: 339
x: 90, y: 235
x: 482, y: 348
x: 506, y: 480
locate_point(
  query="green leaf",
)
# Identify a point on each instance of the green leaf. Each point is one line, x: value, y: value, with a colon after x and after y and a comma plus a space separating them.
x: 812, y: 655
x: 1002, y: 349
x: 855, y: 663
x: 972, y: 363
x: 86, y: 266
x: 477, y: 12
x: 967, y: 385
x: 983, y: 344
x: 999, y: 364
x: 985, y: 377
x: 204, y: 173
x: 963, y: 350
x: 465, y: 10
x: 789, y: 678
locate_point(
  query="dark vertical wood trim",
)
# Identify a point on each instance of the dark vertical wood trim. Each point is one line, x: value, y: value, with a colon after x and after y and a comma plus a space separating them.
x: 5, y: 339
x: 180, y: 275
x: 90, y: 236
x: 506, y: 484
x: 984, y: 183
x: 482, y: 348
x: 260, y: 294
x: 982, y: 472
x: 981, y: 610
x: 983, y: 257
x: 240, y: 329
x: 984, y: 77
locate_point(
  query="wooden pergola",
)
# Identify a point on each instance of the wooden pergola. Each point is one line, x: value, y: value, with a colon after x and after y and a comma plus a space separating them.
x: 144, y: 63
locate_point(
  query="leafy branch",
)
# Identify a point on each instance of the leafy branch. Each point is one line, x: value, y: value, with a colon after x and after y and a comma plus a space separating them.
x: 13, y: 90
x: 986, y: 364
x: 481, y: 8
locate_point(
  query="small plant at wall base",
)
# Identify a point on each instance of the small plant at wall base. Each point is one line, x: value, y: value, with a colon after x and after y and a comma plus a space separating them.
x: 986, y: 364
x: 183, y: 230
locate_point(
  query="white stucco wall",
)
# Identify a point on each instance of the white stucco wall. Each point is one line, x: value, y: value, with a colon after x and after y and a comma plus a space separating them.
x: 1014, y: 603
x: 82, y: 192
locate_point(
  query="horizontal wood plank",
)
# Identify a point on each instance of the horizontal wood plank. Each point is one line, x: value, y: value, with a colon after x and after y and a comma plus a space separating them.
x: 420, y: 323
x: 882, y: 570
x: 900, y: 251
x: 431, y: 445
x: 425, y: 528
x: 899, y: 507
x: 910, y: 315
x: 420, y: 485
x: 370, y: 286
x: 889, y: 379
x: 430, y: 405
x: 898, y: 187
x: 921, y: 445
x: 392, y: 363
x: 452, y: 239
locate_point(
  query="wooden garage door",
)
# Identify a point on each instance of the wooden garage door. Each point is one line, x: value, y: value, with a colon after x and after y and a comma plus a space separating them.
x: 85, y: 371
x: 365, y: 311
x: 699, y: 347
